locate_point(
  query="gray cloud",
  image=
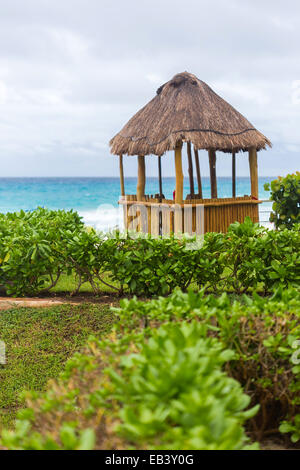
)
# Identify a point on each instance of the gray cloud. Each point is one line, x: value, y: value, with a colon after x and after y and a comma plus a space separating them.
x: 73, y: 72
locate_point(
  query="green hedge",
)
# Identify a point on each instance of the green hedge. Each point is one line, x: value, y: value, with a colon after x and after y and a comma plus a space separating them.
x: 37, y: 247
x: 285, y: 192
x: 32, y: 248
x: 181, y: 372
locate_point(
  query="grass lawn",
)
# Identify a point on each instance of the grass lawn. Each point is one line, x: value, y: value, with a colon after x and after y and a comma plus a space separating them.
x: 38, y: 343
x: 68, y: 284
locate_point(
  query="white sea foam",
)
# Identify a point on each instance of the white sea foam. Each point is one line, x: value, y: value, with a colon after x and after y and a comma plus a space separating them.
x: 105, y: 218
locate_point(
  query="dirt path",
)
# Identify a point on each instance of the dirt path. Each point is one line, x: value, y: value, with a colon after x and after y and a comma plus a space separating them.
x: 39, y: 302
x: 6, y: 303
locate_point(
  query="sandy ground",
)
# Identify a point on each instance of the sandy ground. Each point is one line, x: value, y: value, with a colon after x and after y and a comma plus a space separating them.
x: 6, y: 303
x: 52, y: 300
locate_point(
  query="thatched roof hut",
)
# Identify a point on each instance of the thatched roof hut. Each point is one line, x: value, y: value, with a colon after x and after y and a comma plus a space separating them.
x: 187, y: 109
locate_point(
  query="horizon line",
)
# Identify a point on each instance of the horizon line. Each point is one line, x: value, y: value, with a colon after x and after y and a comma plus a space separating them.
x: 117, y: 177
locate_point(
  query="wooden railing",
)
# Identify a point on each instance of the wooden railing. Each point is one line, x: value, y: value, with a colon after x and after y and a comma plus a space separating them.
x: 160, y: 217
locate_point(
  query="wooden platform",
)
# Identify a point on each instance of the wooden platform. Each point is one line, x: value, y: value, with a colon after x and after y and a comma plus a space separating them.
x: 150, y: 215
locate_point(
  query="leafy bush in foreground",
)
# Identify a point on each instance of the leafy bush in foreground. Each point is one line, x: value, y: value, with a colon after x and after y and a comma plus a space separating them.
x: 168, y: 393
x: 292, y: 427
x: 159, y: 381
x: 174, y: 395
x: 261, y: 332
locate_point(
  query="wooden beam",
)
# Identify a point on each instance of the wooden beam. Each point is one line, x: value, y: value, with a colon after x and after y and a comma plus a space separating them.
x: 160, y: 178
x: 199, y: 183
x: 191, y: 172
x: 253, y: 172
x: 141, y: 182
x: 233, y: 175
x: 179, y: 174
x: 213, y: 175
x: 121, y: 175
x: 160, y: 195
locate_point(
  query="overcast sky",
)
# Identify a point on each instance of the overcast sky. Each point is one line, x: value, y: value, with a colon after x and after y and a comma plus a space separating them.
x: 72, y: 72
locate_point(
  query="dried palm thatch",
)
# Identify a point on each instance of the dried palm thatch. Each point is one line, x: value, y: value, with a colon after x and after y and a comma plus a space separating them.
x: 186, y: 109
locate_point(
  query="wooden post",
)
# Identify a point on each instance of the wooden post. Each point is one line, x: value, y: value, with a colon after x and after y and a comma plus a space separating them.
x: 140, y: 189
x: 179, y: 174
x: 213, y: 176
x: 160, y: 195
x: 121, y: 175
x: 159, y: 177
x: 233, y: 175
x: 179, y: 189
x: 253, y: 172
x: 198, y: 173
x: 191, y: 173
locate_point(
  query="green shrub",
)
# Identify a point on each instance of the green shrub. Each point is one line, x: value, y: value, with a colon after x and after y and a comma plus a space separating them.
x: 248, y: 257
x: 173, y: 393
x: 210, y: 261
x: 85, y: 253
x: 151, y: 266
x: 257, y: 257
x: 32, y: 248
x: 292, y: 427
x: 170, y: 392
x: 38, y: 246
x: 285, y: 192
x: 261, y: 332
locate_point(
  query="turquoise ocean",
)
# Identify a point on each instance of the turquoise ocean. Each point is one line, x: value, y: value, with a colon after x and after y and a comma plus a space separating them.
x: 96, y: 199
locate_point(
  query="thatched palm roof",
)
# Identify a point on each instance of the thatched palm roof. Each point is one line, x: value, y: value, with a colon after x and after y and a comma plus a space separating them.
x: 186, y: 109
